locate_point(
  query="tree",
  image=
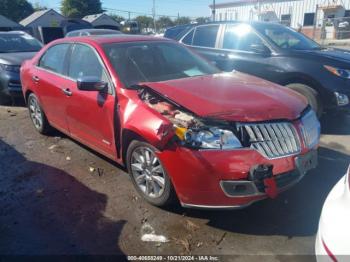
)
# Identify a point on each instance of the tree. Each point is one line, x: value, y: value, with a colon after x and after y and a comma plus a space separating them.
x: 144, y: 21
x: 164, y: 22
x: 81, y: 8
x: 39, y: 7
x: 16, y: 9
x: 202, y: 20
x: 183, y: 20
x: 117, y: 18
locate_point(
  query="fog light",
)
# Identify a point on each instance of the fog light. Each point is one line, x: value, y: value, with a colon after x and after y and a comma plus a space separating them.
x: 342, y: 100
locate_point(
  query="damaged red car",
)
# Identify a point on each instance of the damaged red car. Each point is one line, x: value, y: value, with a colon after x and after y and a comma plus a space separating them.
x: 183, y: 129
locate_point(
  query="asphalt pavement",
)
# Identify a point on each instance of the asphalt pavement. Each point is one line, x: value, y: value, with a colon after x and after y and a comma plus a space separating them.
x: 59, y: 197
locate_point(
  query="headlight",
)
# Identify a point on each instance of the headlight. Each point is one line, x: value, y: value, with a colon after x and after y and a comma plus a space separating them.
x: 344, y: 73
x: 212, y: 138
x: 10, y: 68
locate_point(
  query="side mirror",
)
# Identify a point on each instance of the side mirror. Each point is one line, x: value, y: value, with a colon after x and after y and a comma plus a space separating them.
x: 260, y: 49
x: 91, y: 83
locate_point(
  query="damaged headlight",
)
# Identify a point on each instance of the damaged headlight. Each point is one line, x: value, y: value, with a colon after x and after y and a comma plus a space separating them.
x: 211, y: 138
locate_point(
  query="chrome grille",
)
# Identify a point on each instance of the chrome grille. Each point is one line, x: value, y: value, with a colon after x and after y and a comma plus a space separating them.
x: 273, y: 140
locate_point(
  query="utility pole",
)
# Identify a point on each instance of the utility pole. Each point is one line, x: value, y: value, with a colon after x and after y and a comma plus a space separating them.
x: 214, y: 11
x: 154, y: 16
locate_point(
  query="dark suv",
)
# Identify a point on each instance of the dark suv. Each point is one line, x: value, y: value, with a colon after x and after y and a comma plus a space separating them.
x: 276, y: 53
x: 15, y: 47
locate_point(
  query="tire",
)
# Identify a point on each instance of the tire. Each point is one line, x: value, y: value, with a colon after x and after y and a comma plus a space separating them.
x: 37, y: 115
x: 139, y: 163
x: 311, y: 95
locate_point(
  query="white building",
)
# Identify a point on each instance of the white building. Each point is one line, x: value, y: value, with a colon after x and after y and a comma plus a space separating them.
x: 294, y: 13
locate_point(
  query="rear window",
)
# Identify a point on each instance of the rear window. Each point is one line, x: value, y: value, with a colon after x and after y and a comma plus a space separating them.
x: 206, y: 35
x: 176, y: 32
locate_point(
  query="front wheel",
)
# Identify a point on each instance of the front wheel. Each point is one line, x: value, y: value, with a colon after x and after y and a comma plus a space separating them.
x: 148, y: 174
x: 37, y: 115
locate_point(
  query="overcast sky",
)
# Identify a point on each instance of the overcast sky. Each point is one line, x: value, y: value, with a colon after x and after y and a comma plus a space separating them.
x: 192, y: 8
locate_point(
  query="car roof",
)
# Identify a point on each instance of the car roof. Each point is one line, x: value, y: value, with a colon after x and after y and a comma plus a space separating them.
x: 187, y: 27
x: 226, y: 22
x: 107, y: 39
x: 14, y: 33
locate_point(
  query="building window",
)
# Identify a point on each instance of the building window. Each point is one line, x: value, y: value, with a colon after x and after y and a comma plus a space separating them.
x: 286, y: 19
x: 309, y: 19
x: 347, y: 13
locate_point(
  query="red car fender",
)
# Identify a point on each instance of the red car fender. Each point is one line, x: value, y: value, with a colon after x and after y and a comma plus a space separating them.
x: 146, y: 122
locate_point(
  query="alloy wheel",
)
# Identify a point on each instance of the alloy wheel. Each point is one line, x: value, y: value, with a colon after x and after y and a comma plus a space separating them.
x: 35, y: 113
x: 148, y: 172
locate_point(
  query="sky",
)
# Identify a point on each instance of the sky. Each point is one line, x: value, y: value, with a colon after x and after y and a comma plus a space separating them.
x: 191, y: 8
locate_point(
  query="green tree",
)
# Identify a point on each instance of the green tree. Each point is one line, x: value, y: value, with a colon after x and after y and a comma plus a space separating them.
x: 39, y: 7
x: 16, y: 9
x: 183, y: 20
x: 118, y: 18
x: 81, y: 8
x: 164, y: 22
x: 144, y: 21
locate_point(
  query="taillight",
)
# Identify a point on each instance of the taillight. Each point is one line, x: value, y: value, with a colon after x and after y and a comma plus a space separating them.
x: 329, y: 253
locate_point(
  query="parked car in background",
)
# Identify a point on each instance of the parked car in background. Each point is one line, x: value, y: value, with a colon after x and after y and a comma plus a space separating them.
x: 182, y: 128
x: 87, y: 32
x: 332, y: 241
x: 276, y: 53
x: 15, y: 47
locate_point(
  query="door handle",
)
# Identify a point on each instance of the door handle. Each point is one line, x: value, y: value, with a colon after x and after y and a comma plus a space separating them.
x: 36, y: 79
x: 67, y: 92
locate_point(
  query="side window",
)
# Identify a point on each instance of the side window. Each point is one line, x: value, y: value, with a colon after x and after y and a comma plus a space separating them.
x: 240, y: 37
x: 53, y: 58
x: 188, y: 38
x: 205, y: 36
x: 84, y: 62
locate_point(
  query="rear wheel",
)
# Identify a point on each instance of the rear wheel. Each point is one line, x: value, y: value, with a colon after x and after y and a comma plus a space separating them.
x: 148, y: 174
x: 37, y: 115
x: 311, y: 95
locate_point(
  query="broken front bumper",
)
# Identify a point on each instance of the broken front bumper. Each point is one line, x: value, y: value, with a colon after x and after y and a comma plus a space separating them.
x: 222, y: 179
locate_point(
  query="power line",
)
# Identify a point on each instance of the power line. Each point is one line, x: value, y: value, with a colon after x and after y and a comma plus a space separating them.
x: 142, y: 13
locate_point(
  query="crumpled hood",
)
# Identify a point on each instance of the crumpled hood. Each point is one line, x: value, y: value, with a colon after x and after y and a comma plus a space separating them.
x: 232, y: 96
x: 15, y: 58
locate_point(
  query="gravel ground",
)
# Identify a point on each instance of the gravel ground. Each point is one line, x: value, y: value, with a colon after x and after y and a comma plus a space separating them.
x: 58, y: 197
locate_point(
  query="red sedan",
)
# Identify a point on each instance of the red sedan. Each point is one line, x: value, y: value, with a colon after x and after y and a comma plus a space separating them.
x: 183, y: 129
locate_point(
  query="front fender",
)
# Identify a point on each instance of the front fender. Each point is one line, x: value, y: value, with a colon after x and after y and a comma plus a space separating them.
x: 147, y: 123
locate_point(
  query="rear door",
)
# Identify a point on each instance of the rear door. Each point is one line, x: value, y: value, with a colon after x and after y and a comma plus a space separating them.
x: 90, y: 114
x: 204, y: 40
x: 50, y: 80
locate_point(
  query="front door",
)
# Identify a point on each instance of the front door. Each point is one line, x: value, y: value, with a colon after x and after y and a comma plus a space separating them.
x: 90, y: 114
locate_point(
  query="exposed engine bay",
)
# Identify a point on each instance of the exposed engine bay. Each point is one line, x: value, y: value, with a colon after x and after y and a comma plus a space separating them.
x: 191, y: 130
x: 178, y: 117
